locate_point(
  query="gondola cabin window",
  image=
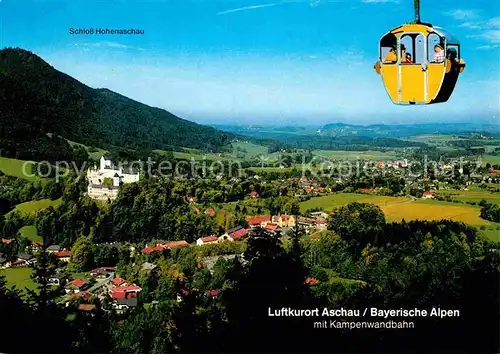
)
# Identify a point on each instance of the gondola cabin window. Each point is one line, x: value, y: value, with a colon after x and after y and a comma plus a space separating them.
x: 435, y: 49
x: 388, y: 51
x: 412, y: 49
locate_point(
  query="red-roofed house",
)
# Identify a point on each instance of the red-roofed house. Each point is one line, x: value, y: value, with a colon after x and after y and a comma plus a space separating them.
x: 428, y: 195
x: 320, y: 224
x: 175, y: 244
x: 272, y: 227
x: 118, y: 282
x: 147, y: 250
x: 213, y: 292
x: 254, y: 194
x: 315, y: 237
x: 159, y: 248
x: 124, y: 292
x: 366, y: 190
x: 6, y: 241
x: 102, y: 271
x: 234, y: 234
x: 492, y: 170
x: 86, y: 307
x: 207, y: 240
x: 210, y: 212
x: 258, y: 220
x: 85, y: 296
x: 312, y: 281
x: 78, y: 285
x: 63, y: 256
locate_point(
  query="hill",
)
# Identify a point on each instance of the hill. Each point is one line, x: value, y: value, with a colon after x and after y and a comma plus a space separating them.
x: 40, y: 105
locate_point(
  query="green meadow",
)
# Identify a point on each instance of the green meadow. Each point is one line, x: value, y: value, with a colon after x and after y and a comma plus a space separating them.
x: 31, y: 233
x: 36, y: 205
x: 13, y: 167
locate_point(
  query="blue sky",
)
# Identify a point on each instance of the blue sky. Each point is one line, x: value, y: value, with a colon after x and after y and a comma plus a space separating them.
x: 258, y: 61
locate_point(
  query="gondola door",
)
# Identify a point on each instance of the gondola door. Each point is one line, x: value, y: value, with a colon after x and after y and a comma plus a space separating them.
x: 412, y: 74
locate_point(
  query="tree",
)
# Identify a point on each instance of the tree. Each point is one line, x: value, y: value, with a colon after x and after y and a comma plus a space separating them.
x: 357, y: 223
x: 82, y: 257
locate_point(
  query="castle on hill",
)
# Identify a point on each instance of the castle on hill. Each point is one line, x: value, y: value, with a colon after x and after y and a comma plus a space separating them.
x: 105, y: 180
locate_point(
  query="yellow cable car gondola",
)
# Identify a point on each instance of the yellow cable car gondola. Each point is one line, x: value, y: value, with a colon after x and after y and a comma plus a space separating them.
x: 419, y: 63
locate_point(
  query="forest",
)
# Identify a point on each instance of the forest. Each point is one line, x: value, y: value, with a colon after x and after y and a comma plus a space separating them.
x: 62, y: 106
x: 361, y: 261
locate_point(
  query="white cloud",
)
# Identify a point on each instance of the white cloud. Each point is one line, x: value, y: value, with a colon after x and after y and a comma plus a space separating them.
x: 488, y: 47
x: 462, y: 14
x: 105, y: 44
x: 494, y: 22
x: 253, y: 7
x: 378, y: 1
x: 492, y: 36
x: 470, y: 25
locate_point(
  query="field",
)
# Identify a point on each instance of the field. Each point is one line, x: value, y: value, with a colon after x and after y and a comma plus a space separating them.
x: 19, y: 277
x: 31, y: 233
x: 13, y: 167
x: 330, y: 202
x: 353, y: 155
x: 472, y: 195
x: 398, y: 208
x: 36, y: 205
x: 434, y: 139
x: 491, y: 159
x: 433, y: 210
x: 251, y: 150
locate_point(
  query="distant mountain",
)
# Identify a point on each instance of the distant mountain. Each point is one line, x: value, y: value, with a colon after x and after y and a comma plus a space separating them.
x: 405, y: 131
x: 39, y: 103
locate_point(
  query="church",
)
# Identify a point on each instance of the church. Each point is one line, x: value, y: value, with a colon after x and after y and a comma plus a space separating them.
x: 105, y: 181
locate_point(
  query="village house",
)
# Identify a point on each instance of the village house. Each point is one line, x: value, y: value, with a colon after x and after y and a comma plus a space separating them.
x: 86, y: 307
x: 175, y: 244
x: 428, y: 195
x: 320, y: 215
x: 258, y: 221
x: 123, y: 294
x: 77, y: 286
x: 165, y: 246
x: 104, y: 182
x: 53, y: 248
x: 284, y: 220
x: 79, y: 296
x: 234, y: 234
x: 63, y: 256
x: 207, y: 240
x: 25, y: 259
x: 272, y: 228
x: 102, y: 272
x: 149, y: 267
x: 320, y: 225
x: 210, y: 212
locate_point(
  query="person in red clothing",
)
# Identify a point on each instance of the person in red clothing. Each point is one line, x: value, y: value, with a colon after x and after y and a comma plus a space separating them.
x: 407, y: 59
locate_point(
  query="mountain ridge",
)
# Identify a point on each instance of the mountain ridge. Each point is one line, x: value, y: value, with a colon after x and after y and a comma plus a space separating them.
x: 66, y: 107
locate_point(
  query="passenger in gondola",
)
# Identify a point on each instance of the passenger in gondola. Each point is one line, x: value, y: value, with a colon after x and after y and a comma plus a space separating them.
x: 438, y: 54
x: 451, y: 54
x: 391, y: 56
x: 407, y: 59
